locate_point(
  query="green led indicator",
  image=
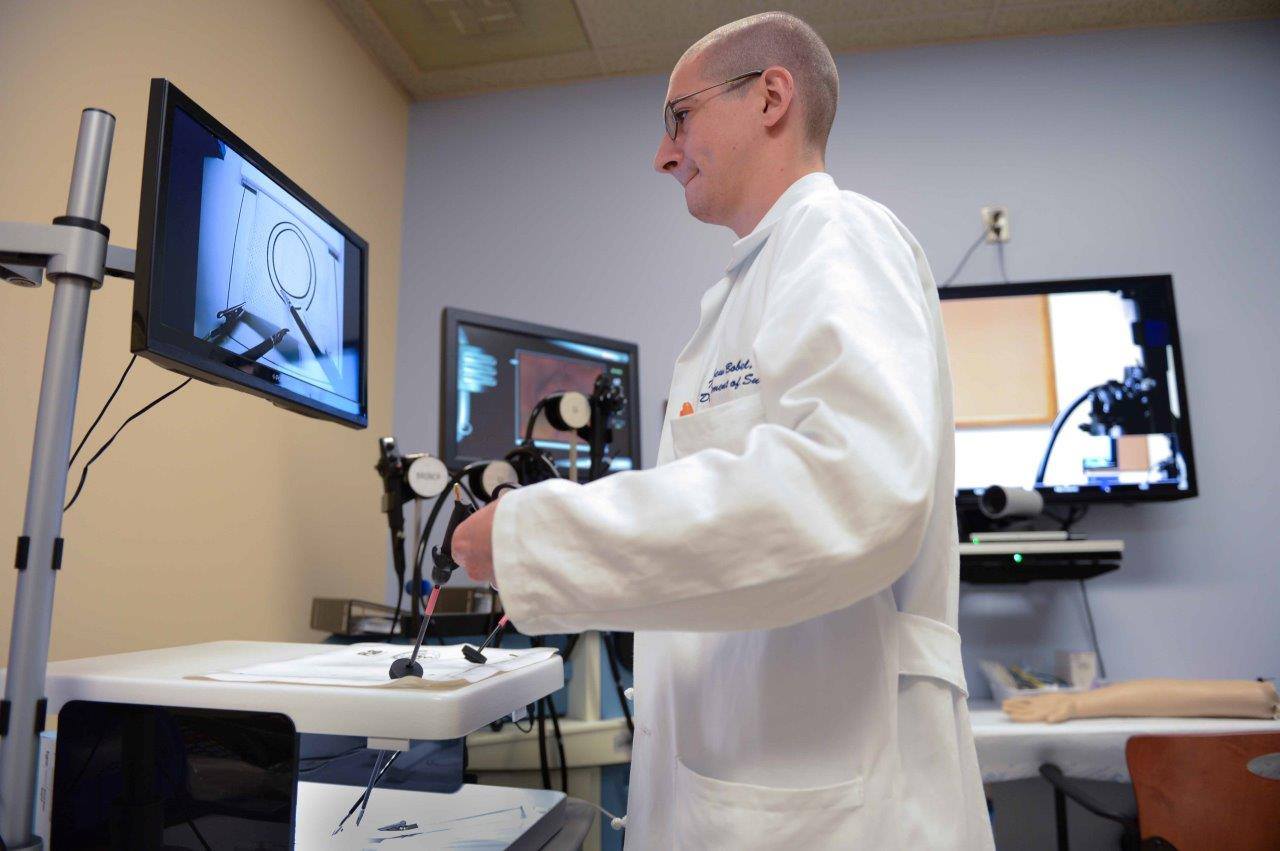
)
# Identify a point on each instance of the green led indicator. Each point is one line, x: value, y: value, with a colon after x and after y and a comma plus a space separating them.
x: 1017, y: 558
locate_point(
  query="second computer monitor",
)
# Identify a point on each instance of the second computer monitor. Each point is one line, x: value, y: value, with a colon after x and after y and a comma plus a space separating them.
x: 1074, y: 388
x: 495, y: 370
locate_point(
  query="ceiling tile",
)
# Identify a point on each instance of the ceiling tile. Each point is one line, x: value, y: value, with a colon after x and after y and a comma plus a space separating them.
x: 441, y: 34
x: 650, y: 58
x: 447, y: 48
x: 902, y: 32
x: 614, y: 22
x: 1025, y: 18
x: 378, y: 40
x: 517, y: 74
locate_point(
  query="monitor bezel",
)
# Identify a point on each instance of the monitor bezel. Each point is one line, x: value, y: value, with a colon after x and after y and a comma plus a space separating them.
x: 968, y: 497
x: 165, y: 98
x: 452, y: 317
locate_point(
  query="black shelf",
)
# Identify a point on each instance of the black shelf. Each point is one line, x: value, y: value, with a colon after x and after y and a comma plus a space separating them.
x: 1002, y: 570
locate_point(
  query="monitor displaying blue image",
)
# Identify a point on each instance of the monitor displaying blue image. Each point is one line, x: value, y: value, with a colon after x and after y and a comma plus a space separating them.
x: 243, y: 279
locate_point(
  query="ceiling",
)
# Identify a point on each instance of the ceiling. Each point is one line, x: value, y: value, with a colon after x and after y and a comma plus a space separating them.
x: 447, y: 48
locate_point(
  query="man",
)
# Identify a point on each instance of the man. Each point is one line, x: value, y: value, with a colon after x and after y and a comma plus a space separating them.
x: 790, y: 566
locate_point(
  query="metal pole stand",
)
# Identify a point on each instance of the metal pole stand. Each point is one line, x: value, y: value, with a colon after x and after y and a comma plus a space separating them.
x: 73, y: 251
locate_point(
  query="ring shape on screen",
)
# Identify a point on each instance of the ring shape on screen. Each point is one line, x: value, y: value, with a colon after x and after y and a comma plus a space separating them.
x: 292, y: 265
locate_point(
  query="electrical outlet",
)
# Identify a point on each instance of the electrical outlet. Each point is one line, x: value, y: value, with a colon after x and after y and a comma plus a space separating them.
x: 996, y: 221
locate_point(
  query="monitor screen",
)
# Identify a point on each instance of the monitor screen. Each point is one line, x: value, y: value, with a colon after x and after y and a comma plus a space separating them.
x: 496, y: 370
x: 1074, y: 388
x: 242, y: 278
x: 147, y: 776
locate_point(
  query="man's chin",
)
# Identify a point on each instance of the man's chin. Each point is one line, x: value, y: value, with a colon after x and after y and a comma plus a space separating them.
x: 698, y: 206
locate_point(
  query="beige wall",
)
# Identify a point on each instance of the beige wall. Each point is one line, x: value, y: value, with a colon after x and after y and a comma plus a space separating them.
x: 217, y: 515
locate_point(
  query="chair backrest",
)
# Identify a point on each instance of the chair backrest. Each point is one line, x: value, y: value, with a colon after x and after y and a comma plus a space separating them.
x: 1196, y: 791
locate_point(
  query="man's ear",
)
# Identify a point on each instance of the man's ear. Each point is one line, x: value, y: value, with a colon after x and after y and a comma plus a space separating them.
x: 779, y: 94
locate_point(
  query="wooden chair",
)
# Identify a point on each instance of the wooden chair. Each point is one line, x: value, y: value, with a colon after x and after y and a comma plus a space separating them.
x: 1193, y: 792
x: 1198, y: 792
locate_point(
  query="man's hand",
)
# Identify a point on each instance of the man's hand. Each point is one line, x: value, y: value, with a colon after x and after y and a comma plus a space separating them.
x: 473, y: 544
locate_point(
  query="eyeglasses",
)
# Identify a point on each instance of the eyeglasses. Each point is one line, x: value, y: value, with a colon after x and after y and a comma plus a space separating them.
x: 673, y: 121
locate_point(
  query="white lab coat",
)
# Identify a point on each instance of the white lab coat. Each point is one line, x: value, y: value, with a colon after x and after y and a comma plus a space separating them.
x: 790, y: 566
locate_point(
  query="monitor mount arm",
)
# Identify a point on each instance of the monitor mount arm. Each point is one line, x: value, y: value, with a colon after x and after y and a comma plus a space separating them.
x: 74, y: 254
x: 69, y: 246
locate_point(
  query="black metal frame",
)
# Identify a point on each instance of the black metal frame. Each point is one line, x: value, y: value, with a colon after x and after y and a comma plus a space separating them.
x: 1068, y: 787
x: 165, y: 98
x: 452, y: 317
x: 968, y: 499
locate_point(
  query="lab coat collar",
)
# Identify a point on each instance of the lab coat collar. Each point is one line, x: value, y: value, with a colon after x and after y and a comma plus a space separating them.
x: 810, y: 184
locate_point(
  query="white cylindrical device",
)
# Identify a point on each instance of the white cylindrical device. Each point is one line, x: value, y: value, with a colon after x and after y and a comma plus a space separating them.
x: 568, y: 411
x: 1000, y: 503
x: 485, y: 480
x: 427, y: 476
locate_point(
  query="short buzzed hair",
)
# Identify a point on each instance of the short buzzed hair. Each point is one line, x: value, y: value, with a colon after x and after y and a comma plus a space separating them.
x: 777, y: 38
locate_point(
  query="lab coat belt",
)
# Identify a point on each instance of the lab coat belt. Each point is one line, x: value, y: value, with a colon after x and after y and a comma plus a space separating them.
x: 930, y: 648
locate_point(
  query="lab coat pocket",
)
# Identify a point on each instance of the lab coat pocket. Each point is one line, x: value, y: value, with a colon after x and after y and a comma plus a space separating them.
x: 712, y: 814
x: 724, y: 426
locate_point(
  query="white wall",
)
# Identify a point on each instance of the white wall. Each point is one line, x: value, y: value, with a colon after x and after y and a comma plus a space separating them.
x: 217, y: 515
x: 1126, y: 152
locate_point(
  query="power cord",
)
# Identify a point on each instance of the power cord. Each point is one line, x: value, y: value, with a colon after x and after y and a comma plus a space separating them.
x: 965, y: 258
x: 564, y: 764
x: 323, y: 761
x: 84, y: 473
x: 105, y: 405
x: 1093, y: 632
x: 611, y: 651
x: 615, y: 822
x: 1075, y: 514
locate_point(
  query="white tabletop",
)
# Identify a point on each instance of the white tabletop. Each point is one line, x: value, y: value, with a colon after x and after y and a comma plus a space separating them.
x: 1087, y: 748
x: 160, y: 677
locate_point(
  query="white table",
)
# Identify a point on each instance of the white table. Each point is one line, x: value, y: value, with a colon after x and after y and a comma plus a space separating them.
x: 1088, y: 749
x: 160, y: 677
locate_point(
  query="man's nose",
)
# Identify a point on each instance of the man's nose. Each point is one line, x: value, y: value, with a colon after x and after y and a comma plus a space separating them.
x: 669, y: 157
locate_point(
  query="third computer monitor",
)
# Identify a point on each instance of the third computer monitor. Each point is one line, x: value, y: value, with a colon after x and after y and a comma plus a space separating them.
x: 1074, y: 388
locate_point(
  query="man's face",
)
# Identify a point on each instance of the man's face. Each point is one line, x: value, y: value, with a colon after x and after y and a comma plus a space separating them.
x: 709, y: 155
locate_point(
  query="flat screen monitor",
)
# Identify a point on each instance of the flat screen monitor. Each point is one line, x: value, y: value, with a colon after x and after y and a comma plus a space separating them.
x: 495, y: 370
x: 1073, y: 388
x: 172, y: 777
x: 242, y: 278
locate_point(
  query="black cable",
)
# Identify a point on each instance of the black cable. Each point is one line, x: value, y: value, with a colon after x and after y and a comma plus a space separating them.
x: 183, y: 798
x: 420, y: 555
x: 105, y: 405
x: 611, y: 651
x: 532, y: 421
x: 400, y: 580
x: 1057, y: 427
x: 542, y: 747
x: 325, y: 760
x: 1093, y: 633
x: 84, y: 472
x: 454, y: 479
x: 1077, y: 514
x: 191, y: 823
x: 965, y: 258
x: 564, y: 765
x: 85, y: 767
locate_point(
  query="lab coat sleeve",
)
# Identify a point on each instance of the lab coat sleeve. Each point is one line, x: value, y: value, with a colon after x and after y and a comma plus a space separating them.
x: 826, y: 503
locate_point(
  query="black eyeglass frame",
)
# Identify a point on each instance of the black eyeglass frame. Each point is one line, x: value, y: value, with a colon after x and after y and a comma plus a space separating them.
x: 669, y: 113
